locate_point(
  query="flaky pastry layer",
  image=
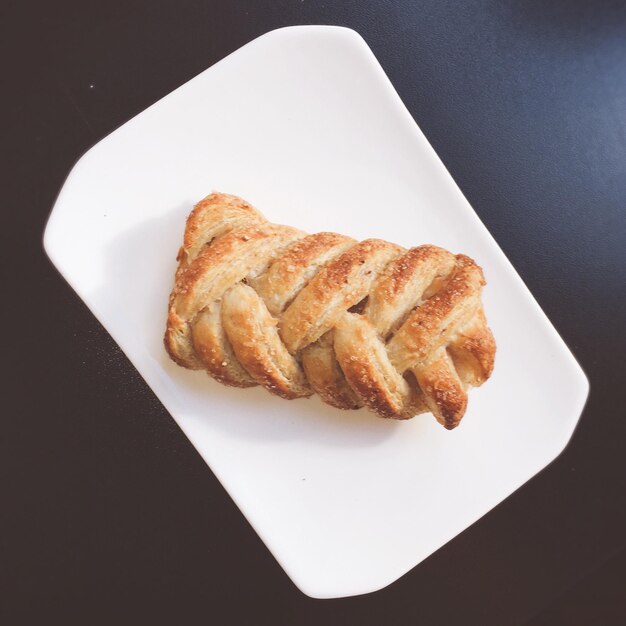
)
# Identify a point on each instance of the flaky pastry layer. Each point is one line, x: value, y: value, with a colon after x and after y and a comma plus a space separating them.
x: 367, y: 323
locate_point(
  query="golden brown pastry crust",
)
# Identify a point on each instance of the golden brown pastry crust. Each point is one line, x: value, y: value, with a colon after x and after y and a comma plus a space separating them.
x: 360, y: 323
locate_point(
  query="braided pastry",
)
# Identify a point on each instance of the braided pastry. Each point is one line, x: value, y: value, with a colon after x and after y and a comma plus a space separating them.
x: 364, y: 323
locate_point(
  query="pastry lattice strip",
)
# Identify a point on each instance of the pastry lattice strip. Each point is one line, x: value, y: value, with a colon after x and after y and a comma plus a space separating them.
x: 364, y: 323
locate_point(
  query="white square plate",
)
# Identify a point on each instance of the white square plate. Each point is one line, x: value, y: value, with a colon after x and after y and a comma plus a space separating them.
x: 304, y: 123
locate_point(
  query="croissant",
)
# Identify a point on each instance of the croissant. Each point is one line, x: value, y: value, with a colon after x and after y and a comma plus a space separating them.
x: 367, y: 323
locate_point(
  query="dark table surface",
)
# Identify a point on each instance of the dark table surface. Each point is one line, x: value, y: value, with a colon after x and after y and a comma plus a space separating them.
x: 108, y: 515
